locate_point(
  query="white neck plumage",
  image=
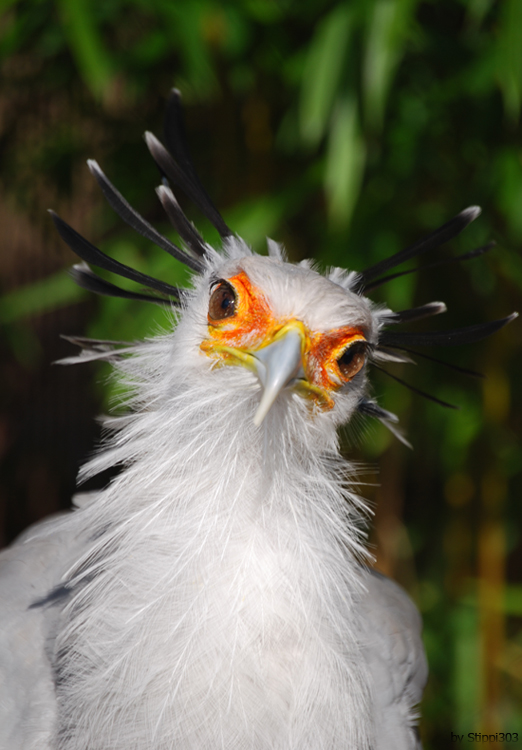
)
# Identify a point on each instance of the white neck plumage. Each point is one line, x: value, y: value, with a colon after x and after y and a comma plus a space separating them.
x: 216, y: 607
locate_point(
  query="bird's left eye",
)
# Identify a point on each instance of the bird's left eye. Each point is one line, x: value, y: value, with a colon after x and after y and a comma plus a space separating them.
x: 352, y: 359
x: 223, y: 301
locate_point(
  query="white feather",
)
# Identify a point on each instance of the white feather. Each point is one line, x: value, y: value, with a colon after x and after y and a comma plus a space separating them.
x: 216, y: 593
x: 217, y: 603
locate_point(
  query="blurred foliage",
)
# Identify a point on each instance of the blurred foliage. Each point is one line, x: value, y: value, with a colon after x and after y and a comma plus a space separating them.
x: 346, y: 130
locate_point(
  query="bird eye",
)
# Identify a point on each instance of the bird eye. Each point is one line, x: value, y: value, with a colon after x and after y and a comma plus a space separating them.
x: 352, y: 359
x: 222, y: 302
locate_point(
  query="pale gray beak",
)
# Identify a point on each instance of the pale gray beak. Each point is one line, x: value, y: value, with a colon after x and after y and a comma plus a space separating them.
x: 276, y: 366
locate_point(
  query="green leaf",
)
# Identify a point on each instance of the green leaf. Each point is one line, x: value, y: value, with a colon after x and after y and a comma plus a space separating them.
x: 322, y: 73
x: 466, y: 675
x: 509, y: 192
x: 6, y: 4
x: 265, y: 11
x: 476, y: 12
x: 257, y: 219
x: 388, y: 27
x: 48, y: 294
x: 86, y: 45
x: 509, y: 49
x: 193, y: 29
x: 513, y: 600
x: 345, y: 160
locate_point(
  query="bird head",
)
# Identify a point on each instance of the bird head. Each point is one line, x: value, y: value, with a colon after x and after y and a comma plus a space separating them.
x: 296, y: 332
x: 292, y: 328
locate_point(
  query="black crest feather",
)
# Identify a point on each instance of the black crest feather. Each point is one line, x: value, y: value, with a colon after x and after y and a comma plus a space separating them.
x: 441, y: 235
x: 91, y: 254
x: 415, y: 313
x: 458, y: 336
x: 186, y: 230
x: 185, y: 174
x: 417, y: 390
x: 450, y: 365
x: 85, y: 277
x: 470, y: 255
x: 137, y: 222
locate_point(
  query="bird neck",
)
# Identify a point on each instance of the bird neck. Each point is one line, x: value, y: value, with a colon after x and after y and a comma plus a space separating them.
x: 196, y: 450
x: 224, y: 556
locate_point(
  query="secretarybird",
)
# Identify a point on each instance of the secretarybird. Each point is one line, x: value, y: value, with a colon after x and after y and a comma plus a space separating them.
x: 217, y: 593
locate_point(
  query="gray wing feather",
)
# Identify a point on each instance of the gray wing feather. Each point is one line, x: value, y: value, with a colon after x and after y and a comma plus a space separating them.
x: 396, y: 660
x: 29, y: 572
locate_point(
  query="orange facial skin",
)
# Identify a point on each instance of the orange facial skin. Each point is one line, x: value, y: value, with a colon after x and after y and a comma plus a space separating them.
x: 253, y: 321
x: 324, y: 349
x: 235, y: 339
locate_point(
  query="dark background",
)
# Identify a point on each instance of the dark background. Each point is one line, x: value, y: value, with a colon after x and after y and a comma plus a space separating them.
x: 346, y: 131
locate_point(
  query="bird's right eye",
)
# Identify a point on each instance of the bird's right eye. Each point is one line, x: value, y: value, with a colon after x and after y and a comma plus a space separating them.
x: 223, y: 301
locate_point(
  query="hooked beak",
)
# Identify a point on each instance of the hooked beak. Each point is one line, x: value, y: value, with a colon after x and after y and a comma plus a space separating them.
x: 276, y: 365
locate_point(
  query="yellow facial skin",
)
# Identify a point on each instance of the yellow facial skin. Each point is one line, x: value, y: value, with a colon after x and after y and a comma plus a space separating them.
x: 241, y: 323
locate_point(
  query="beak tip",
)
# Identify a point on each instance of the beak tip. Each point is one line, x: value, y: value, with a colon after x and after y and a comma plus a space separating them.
x: 260, y: 414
